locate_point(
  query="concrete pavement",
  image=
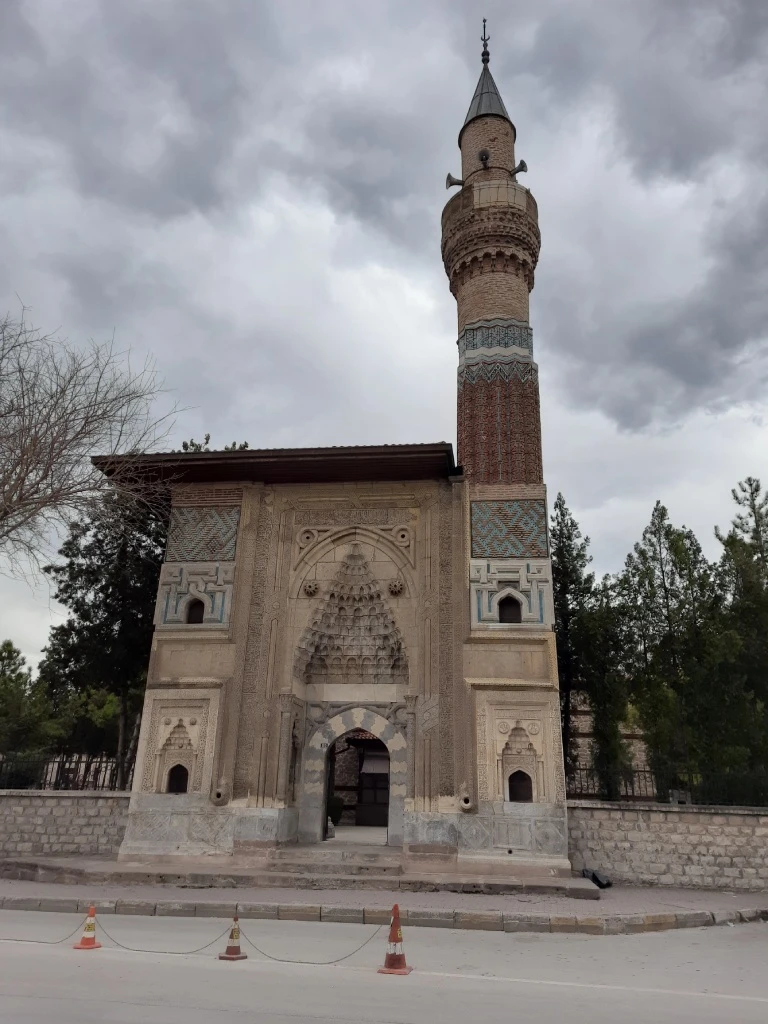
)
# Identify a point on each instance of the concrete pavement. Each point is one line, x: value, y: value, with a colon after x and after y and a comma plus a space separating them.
x: 696, y: 975
x: 620, y: 909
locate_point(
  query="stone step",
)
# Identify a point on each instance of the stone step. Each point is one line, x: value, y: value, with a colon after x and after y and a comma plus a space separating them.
x: 260, y: 876
x: 322, y: 854
x: 348, y: 867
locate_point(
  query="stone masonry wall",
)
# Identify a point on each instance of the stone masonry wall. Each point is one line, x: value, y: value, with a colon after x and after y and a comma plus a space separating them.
x: 43, y: 822
x: 659, y: 844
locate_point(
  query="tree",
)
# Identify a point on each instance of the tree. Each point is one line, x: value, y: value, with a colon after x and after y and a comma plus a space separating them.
x: 95, y: 663
x: 682, y: 661
x: 59, y: 405
x: 572, y: 586
x: 25, y: 714
x: 602, y: 641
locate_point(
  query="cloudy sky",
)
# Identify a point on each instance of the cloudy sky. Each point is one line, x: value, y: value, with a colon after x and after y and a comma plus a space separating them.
x: 251, y: 192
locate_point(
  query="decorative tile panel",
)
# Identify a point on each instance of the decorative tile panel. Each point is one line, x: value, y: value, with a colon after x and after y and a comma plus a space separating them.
x: 495, y: 369
x: 509, y: 529
x: 202, y: 534
x: 496, y: 333
x: 211, y: 583
x: 529, y: 581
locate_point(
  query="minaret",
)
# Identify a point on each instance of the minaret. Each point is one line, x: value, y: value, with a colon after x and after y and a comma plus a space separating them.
x: 509, y: 663
x: 490, y: 248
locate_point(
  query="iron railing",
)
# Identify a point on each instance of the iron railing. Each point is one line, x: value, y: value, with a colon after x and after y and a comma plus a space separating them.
x: 670, y: 784
x: 60, y: 771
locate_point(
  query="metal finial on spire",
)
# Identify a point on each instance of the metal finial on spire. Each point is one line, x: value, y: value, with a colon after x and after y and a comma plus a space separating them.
x: 485, y: 39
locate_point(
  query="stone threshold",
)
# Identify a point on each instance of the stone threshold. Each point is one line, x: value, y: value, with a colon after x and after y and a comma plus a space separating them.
x: 487, y: 920
x: 76, y: 871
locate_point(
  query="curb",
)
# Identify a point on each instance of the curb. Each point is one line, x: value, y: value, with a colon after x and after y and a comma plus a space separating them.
x: 485, y: 920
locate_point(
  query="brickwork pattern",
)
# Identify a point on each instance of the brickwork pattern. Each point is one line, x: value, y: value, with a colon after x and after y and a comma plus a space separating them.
x: 509, y: 529
x: 697, y: 847
x: 499, y: 431
x: 61, y: 824
x: 491, y: 133
x: 195, y: 494
x: 203, y: 534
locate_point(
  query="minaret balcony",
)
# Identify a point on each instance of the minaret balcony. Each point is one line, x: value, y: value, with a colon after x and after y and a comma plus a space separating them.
x: 499, y: 192
x: 487, y: 218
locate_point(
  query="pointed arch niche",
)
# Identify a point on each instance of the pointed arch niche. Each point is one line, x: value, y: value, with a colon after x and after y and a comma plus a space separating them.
x: 352, y: 642
x: 519, y: 769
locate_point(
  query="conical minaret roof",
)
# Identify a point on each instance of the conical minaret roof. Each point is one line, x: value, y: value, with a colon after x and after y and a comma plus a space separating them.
x: 487, y: 101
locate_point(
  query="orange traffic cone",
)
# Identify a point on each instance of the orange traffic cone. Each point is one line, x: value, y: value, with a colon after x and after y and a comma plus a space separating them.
x: 394, y: 961
x: 232, y: 952
x: 88, y: 940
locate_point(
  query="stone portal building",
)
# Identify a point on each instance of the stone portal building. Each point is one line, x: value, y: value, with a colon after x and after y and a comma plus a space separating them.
x: 310, y: 594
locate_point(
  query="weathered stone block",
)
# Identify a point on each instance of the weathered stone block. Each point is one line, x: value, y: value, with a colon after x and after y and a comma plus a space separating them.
x: 348, y: 915
x: 258, y: 911
x: 298, y: 912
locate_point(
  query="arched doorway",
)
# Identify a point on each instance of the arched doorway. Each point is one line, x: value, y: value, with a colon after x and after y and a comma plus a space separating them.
x: 178, y: 779
x: 358, y: 782
x: 316, y: 768
x: 520, y: 788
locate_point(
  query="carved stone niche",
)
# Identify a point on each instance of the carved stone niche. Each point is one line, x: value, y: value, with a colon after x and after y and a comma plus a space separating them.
x: 210, y: 583
x: 528, y: 581
x: 176, y: 758
x: 519, y: 755
x: 179, y: 729
x: 352, y: 637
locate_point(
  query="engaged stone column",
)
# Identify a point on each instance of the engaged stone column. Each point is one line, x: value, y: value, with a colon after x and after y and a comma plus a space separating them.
x: 410, y: 733
x: 284, y: 753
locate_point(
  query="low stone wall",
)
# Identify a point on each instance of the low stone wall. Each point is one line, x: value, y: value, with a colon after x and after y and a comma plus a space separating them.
x: 44, y: 822
x: 659, y: 844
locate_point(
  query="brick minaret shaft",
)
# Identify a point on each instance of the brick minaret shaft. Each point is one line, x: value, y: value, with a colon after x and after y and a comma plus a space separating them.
x: 490, y: 247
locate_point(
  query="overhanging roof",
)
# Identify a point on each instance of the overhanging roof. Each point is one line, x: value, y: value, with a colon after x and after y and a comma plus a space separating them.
x: 296, y: 465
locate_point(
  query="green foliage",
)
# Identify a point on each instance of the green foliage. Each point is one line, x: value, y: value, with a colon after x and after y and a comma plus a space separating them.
x: 26, y: 719
x: 675, y: 643
x: 95, y: 664
x: 572, y: 587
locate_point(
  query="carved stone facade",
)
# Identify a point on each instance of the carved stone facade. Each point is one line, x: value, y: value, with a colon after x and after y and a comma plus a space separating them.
x: 307, y: 594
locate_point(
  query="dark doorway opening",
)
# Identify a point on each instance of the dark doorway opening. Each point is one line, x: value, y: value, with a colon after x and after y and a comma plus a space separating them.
x: 195, y: 612
x: 359, y: 775
x: 520, y: 788
x: 178, y: 779
x: 510, y: 609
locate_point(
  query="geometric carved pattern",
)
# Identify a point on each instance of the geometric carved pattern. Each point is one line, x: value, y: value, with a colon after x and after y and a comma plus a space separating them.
x: 529, y: 579
x: 503, y: 369
x: 352, y: 637
x: 496, y: 333
x: 211, y: 583
x: 202, y: 534
x: 516, y: 528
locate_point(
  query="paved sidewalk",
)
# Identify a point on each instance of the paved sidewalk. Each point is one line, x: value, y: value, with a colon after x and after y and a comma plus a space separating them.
x: 619, y: 910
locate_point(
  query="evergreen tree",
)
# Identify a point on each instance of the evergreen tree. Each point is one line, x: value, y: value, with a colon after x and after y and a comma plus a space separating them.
x: 26, y: 723
x: 572, y: 585
x: 602, y: 650
x: 94, y: 667
x: 95, y: 663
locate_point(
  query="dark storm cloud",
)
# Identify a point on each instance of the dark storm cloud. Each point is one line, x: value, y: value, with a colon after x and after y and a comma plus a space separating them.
x: 160, y: 112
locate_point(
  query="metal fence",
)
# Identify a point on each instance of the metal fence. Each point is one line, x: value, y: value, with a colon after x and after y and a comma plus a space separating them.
x: 670, y: 784
x: 59, y: 771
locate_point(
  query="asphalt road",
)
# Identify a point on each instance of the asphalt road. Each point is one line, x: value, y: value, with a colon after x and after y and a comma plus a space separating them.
x: 693, y: 975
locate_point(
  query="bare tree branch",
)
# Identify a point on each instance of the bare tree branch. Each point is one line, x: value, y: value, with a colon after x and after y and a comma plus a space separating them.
x: 59, y: 405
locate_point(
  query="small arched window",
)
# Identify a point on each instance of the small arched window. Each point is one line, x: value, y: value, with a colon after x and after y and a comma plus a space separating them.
x: 178, y: 779
x: 195, y: 612
x: 510, y: 610
x: 520, y: 788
